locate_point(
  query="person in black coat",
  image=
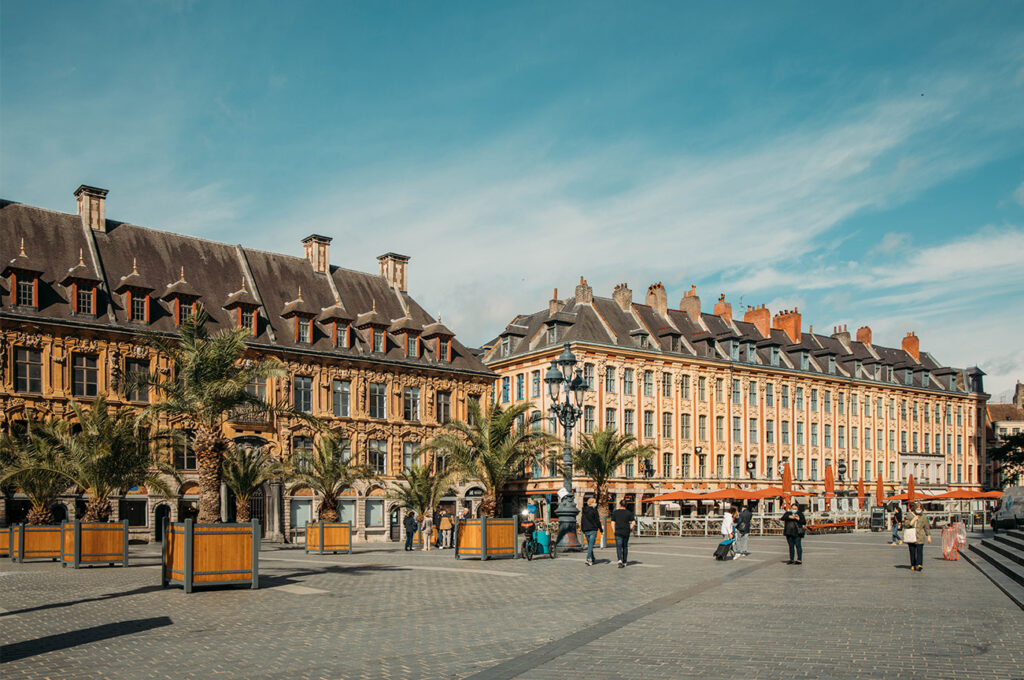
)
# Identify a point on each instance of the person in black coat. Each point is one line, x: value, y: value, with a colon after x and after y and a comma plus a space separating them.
x: 793, y: 523
x: 590, y: 524
x: 411, y: 525
x: 743, y: 530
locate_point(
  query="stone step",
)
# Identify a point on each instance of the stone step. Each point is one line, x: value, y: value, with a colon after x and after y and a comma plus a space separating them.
x: 1010, y: 551
x: 1015, y: 533
x: 994, y: 569
x: 1007, y: 539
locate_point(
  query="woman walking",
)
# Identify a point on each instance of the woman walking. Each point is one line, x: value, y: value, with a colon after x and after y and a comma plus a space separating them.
x: 916, y: 530
x: 426, y: 526
x: 793, y: 523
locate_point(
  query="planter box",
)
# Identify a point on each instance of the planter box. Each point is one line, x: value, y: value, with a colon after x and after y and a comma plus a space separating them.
x: 210, y: 554
x: 5, y: 541
x: 332, y: 537
x: 417, y: 541
x: 94, y: 543
x: 35, y: 542
x: 485, y: 538
x: 606, y: 537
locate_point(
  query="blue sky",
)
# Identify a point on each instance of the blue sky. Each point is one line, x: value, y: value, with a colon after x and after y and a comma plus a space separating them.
x: 863, y: 161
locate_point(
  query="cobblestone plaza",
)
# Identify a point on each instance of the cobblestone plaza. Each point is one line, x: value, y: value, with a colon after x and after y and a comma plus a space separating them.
x: 852, y: 610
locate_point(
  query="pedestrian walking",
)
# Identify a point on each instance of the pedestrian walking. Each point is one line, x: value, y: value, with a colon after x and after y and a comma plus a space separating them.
x: 793, y: 522
x: 743, y: 530
x: 897, y: 524
x: 590, y: 524
x: 728, y: 530
x: 624, y: 521
x: 446, y: 529
x: 427, y: 526
x: 916, y: 531
x: 435, y: 521
x: 411, y: 525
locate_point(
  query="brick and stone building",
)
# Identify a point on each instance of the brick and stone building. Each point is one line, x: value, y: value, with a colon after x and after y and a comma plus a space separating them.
x: 1004, y: 420
x: 726, y: 400
x: 78, y: 290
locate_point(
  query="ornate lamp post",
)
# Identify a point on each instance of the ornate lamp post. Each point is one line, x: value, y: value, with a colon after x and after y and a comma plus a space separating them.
x: 563, y: 374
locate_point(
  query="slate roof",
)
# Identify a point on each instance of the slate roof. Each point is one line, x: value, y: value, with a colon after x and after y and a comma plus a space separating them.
x: 1001, y: 412
x: 212, y: 273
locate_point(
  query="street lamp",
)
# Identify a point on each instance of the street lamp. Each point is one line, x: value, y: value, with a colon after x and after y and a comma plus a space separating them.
x: 563, y: 374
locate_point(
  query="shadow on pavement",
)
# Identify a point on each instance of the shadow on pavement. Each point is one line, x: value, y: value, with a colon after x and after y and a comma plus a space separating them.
x: 52, y: 643
x: 99, y: 598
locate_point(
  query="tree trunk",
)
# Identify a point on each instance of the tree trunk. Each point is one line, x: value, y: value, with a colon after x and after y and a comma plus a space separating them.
x: 210, y: 447
x: 488, y: 504
x: 602, y: 496
x: 328, y: 509
x: 97, y: 510
x: 40, y: 515
x: 242, y: 509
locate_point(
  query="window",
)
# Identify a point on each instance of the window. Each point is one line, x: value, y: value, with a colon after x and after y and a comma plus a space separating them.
x: 378, y: 400
x: 412, y: 345
x: 814, y: 400
x: 185, y: 310
x: 735, y: 391
x: 800, y: 468
x: 411, y: 403
x: 916, y: 410
x: 719, y: 390
x: 666, y: 464
x: 609, y: 380
x: 535, y: 383
x: 720, y: 465
x: 785, y: 431
x: 378, y: 340
x: 774, y: 356
x: 588, y: 378
x: 892, y: 440
x: 610, y: 418
x: 444, y: 349
x: 814, y: 434
x: 734, y: 350
x: 648, y: 383
x: 341, y: 335
x: 814, y: 469
x: 341, y: 394
x: 246, y: 317
x: 915, y: 440
x: 880, y: 440
x: 892, y: 470
x: 628, y: 470
x: 841, y: 436
x: 684, y: 387
x: 377, y: 455
x: 134, y: 369
x: 752, y: 431
x: 805, y: 361
x: 506, y: 346
x: 702, y: 464
x: 702, y: 389
x: 137, y: 311
x: 83, y: 300
x: 374, y: 512
x: 903, y: 409
x: 588, y: 419
x: 627, y: 421
x: 648, y: 424
x: 506, y: 389
x: 840, y: 402
x: 303, y: 389
x: 769, y: 394
x: 304, y: 330
x: 684, y: 467
x: 785, y: 396
x: 752, y: 393
x: 627, y: 381
x: 719, y: 428
x: 552, y: 334
x: 853, y: 404
x: 736, y: 467
x: 878, y: 407
x: 828, y: 401
x: 903, y: 440
x: 799, y: 434
x: 134, y: 510
x: 959, y: 415
x: 520, y: 387
x: 684, y: 426
x: 769, y: 468
x: 26, y: 293
x: 444, y: 407
x: 959, y: 473
x: 737, y: 429
x: 83, y: 375
x: 28, y: 370
x: 183, y: 455
x: 702, y: 428
x: 892, y: 408
x: 666, y: 384
x: 832, y: 365
x: 828, y: 435
x: 302, y: 452
x: 666, y: 425
x: 799, y: 399
x: 769, y: 433
x: 410, y: 455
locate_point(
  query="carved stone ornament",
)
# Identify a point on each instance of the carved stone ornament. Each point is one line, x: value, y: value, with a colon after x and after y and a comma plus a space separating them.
x: 30, y: 340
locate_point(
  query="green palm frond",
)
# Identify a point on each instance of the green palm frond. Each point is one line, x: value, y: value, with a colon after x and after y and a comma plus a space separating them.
x: 599, y: 455
x: 245, y: 470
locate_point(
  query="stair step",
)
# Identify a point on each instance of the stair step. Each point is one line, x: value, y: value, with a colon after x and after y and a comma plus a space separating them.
x: 1009, y: 551
x: 982, y: 560
x: 1011, y: 569
x: 1016, y: 533
x: 1012, y: 541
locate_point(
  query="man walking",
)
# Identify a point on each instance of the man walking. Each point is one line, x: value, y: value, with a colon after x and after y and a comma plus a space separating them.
x: 897, y: 524
x: 624, y: 521
x: 411, y: 525
x: 590, y: 524
x: 743, y: 530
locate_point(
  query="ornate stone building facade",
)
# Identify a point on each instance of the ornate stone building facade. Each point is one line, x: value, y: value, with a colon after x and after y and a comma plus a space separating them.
x: 727, y: 401
x: 78, y: 290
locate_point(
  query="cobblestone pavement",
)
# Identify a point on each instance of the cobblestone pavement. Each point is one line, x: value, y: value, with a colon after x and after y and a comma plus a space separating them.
x: 852, y: 610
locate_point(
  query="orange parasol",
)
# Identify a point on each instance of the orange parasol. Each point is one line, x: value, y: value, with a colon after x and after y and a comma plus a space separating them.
x: 830, y: 487
x: 787, y: 480
x: 910, y: 489
x: 880, y: 490
x: 861, y: 494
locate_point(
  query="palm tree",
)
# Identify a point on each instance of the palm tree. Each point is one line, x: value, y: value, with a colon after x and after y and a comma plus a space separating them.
x: 108, y: 455
x: 328, y: 473
x: 600, y: 454
x: 492, y: 450
x: 208, y: 381
x: 420, y: 490
x: 30, y: 462
x: 244, y: 472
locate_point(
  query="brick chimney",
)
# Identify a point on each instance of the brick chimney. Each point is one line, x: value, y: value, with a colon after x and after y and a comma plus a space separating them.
x: 723, y: 308
x: 318, y: 252
x: 841, y: 334
x: 864, y: 335
x: 395, y: 268
x: 657, y: 299
x: 623, y: 295
x: 584, y: 293
x: 691, y: 304
x: 912, y: 346
x: 761, y: 318
x: 788, y: 320
x: 554, y: 304
x: 92, y: 207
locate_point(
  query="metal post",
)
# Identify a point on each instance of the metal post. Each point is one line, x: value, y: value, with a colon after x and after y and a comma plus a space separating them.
x: 77, y: 537
x: 515, y: 538
x: 456, y: 536
x: 125, y: 563
x: 21, y: 543
x: 163, y: 552
x: 483, y: 539
x: 187, y: 567
x: 321, y: 537
x: 349, y: 551
x: 256, y: 553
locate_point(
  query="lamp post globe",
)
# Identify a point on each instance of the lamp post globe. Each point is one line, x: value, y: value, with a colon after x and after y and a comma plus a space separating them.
x: 567, y: 411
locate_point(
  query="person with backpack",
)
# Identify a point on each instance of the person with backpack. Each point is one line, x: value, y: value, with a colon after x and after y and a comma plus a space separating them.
x: 793, y: 522
x: 624, y: 521
x: 897, y: 524
x: 590, y: 524
x: 411, y: 525
x: 743, y: 530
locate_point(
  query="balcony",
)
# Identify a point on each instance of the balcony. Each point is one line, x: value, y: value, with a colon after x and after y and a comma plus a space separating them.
x: 248, y: 415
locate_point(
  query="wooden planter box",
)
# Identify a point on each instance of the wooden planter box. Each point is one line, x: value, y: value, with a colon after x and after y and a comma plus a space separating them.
x: 5, y: 541
x: 328, y: 537
x: 35, y: 542
x: 484, y: 538
x: 94, y: 543
x: 210, y: 554
x: 606, y: 537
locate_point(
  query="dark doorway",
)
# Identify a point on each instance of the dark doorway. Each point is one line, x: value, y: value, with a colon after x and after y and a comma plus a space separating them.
x: 163, y: 511
x: 59, y: 512
x: 396, y: 524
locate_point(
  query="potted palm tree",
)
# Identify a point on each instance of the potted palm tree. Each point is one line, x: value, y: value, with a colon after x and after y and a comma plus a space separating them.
x: 30, y: 463
x: 207, y: 382
x: 245, y: 471
x: 599, y: 456
x: 328, y: 473
x: 492, y: 450
x: 420, y: 490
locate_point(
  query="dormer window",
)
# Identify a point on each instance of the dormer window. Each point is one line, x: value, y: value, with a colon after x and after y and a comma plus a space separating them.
x: 751, y: 354
x: 24, y: 275
x: 184, y: 297
x: 412, y: 345
x: 908, y: 377
x: 644, y: 341
x: 734, y: 350
x: 832, y: 365
x: 138, y: 307
x: 26, y: 292
x: 136, y: 295
x: 774, y: 356
x: 85, y: 300
x: 444, y: 349
x: 552, y: 334
x: 506, y: 346
x: 805, y: 361
x: 857, y: 365
x: 378, y: 340
x: 186, y: 310
x: 246, y: 318
x: 304, y: 331
x: 341, y: 335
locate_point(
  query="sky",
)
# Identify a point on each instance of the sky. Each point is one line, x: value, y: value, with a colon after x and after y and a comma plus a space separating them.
x: 863, y: 162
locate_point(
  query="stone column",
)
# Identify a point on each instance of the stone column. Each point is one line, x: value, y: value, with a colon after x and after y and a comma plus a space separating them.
x: 273, y: 512
x: 223, y: 502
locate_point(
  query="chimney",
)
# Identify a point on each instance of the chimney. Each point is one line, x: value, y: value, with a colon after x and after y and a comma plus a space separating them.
x: 318, y: 252
x: 841, y: 334
x: 912, y: 346
x: 788, y: 320
x: 691, y: 304
x: 761, y: 318
x: 723, y: 308
x: 864, y: 335
x: 92, y: 207
x: 657, y: 299
x: 584, y: 293
x: 623, y: 295
x: 394, y: 268
x: 554, y: 304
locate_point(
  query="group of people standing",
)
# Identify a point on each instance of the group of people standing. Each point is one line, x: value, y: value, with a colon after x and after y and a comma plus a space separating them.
x: 443, y: 520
